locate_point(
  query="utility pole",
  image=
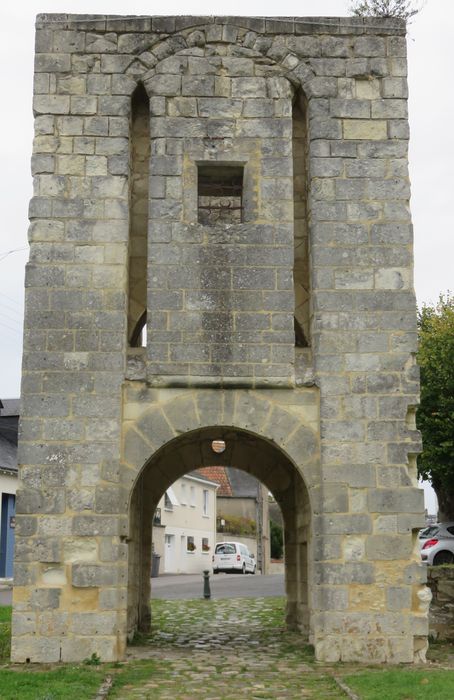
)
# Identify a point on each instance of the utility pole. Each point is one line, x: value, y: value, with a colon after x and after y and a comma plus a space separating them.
x: 259, y: 522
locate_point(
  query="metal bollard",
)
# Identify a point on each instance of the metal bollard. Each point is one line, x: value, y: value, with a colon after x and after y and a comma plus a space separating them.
x: 206, y: 584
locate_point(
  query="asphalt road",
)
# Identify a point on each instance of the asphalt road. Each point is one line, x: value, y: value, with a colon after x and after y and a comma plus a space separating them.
x: 181, y: 586
x: 186, y: 586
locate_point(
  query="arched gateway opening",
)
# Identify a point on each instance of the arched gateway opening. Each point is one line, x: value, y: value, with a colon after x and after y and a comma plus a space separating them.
x: 244, y: 450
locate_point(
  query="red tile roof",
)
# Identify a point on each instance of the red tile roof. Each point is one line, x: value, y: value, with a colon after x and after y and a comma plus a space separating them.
x: 219, y: 475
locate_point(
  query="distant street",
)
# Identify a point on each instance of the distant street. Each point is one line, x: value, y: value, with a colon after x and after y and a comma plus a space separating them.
x: 6, y: 596
x: 181, y: 586
x: 186, y: 586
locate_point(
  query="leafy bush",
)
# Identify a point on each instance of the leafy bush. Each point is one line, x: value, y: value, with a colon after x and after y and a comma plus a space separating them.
x: 235, y: 525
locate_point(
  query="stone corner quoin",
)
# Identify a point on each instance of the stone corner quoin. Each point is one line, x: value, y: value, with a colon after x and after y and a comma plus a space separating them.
x: 238, y: 186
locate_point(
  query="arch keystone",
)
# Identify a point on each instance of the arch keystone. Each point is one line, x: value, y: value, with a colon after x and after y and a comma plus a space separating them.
x: 210, y: 407
x: 136, y: 69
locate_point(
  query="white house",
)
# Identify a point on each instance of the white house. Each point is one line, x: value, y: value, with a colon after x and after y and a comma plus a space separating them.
x: 184, y: 528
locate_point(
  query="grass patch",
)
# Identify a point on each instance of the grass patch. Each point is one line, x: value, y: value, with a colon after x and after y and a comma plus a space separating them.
x: 5, y: 633
x: 5, y: 613
x: 132, y: 675
x: 63, y: 683
x: 403, y: 684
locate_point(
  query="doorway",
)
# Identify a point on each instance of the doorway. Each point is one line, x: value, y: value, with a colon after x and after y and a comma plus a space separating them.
x: 169, y: 554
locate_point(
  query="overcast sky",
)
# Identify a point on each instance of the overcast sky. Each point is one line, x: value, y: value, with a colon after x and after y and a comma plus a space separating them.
x: 431, y: 104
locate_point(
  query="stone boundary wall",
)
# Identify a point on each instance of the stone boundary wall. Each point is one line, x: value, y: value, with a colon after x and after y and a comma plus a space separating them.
x: 440, y: 580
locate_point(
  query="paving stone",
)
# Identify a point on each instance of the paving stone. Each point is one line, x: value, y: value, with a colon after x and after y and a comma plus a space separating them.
x: 225, y: 649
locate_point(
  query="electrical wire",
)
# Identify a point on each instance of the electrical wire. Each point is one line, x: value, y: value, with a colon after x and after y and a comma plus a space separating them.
x: 13, y: 330
x: 10, y: 318
x: 17, y: 313
x: 10, y: 299
x: 10, y: 252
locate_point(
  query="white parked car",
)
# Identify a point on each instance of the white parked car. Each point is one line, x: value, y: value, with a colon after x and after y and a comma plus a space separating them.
x: 233, y: 557
x: 437, y: 544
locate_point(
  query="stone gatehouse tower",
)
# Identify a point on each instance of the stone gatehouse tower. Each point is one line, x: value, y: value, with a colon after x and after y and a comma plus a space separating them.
x: 240, y: 186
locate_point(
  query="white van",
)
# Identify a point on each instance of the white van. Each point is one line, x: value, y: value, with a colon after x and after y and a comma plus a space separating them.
x: 233, y: 557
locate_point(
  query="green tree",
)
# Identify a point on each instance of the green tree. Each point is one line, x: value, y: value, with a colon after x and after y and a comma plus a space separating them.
x: 403, y: 9
x: 276, y: 540
x: 435, y: 417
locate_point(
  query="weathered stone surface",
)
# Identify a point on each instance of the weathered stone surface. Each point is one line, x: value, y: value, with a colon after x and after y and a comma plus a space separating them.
x: 47, y: 598
x: 389, y: 547
x: 88, y: 575
x: 389, y: 500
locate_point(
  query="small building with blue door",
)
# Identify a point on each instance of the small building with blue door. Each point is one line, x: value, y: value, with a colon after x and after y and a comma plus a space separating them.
x: 9, y: 420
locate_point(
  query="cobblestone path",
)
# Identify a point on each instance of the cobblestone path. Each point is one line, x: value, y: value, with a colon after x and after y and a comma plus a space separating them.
x: 221, y: 650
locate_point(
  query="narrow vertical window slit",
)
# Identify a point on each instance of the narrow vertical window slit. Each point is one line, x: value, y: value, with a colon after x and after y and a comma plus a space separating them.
x: 138, y: 216
x: 301, y: 272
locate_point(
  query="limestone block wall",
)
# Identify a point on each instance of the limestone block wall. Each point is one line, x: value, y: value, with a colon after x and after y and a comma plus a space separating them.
x: 313, y: 111
x: 222, y: 294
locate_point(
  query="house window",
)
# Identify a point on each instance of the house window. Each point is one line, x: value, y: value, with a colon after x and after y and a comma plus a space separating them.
x: 190, y: 544
x: 205, y: 502
x: 192, y: 496
x: 183, y: 494
x: 220, y: 194
x: 170, y: 500
x: 205, y: 544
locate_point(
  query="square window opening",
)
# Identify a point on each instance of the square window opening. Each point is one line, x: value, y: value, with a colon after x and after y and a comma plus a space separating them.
x: 220, y: 194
